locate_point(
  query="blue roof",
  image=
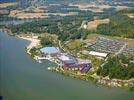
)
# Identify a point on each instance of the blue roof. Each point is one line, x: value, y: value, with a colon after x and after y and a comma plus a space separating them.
x: 49, y: 50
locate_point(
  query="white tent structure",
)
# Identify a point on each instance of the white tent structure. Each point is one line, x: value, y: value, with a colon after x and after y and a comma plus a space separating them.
x: 99, y: 54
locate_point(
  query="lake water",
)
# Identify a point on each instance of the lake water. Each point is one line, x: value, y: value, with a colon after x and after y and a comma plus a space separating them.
x: 22, y: 78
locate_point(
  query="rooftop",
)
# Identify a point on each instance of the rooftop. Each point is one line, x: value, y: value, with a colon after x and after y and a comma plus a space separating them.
x: 50, y: 50
x: 64, y: 57
x: 98, y: 54
x: 67, y: 58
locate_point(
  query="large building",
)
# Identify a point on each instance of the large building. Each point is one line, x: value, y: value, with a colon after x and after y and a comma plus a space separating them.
x: 99, y: 54
x: 50, y: 51
x: 66, y: 59
x: 71, y: 63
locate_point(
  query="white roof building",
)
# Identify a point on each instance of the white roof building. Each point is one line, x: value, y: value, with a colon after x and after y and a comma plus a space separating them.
x: 50, y: 50
x: 64, y: 58
x: 94, y: 53
x: 67, y: 58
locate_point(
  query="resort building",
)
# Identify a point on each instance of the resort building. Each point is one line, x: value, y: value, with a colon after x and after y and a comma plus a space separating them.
x: 81, y: 67
x: 52, y: 51
x: 85, y: 68
x: 71, y: 63
x: 66, y: 59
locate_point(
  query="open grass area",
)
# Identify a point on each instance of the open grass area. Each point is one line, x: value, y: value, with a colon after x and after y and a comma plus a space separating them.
x: 3, y: 11
x: 91, y: 38
x: 91, y: 7
x: 74, y: 44
x: 92, y: 25
x: 37, y: 13
x: 27, y: 15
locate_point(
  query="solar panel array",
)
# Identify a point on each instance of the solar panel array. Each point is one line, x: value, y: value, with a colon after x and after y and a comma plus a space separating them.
x: 106, y: 45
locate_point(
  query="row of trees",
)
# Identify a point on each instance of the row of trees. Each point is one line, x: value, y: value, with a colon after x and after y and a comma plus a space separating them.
x: 5, y: 17
x: 46, y: 42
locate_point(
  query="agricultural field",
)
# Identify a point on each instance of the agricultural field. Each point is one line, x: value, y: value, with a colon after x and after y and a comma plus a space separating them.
x: 4, y: 5
x: 92, y: 25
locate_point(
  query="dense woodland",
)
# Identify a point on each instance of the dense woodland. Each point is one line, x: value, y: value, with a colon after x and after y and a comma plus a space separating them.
x: 120, y: 67
x: 5, y: 17
x: 66, y: 28
x: 69, y: 27
x: 120, y: 25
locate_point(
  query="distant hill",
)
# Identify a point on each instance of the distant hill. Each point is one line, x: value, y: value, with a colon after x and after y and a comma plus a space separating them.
x: 43, y: 2
x: 3, y: 1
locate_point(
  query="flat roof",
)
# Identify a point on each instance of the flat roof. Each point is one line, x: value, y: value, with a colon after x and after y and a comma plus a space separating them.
x: 50, y: 50
x: 98, y: 54
x: 67, y: 58
x: 64, y: 58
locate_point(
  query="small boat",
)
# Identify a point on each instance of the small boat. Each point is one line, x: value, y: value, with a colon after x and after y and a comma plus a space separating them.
x: 39, y: 61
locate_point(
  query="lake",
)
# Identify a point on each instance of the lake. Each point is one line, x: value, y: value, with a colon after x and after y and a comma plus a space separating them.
x: 22, y: 78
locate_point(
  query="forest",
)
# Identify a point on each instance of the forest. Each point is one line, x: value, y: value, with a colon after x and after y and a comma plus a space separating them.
x: 119, y: 67
x: 68, y: 27
x: 120, y: 25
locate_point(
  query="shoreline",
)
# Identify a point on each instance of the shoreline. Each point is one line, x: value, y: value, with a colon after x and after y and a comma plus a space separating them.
x: 110, y: 82
x: 101, y: 80
x: 34, y: 42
